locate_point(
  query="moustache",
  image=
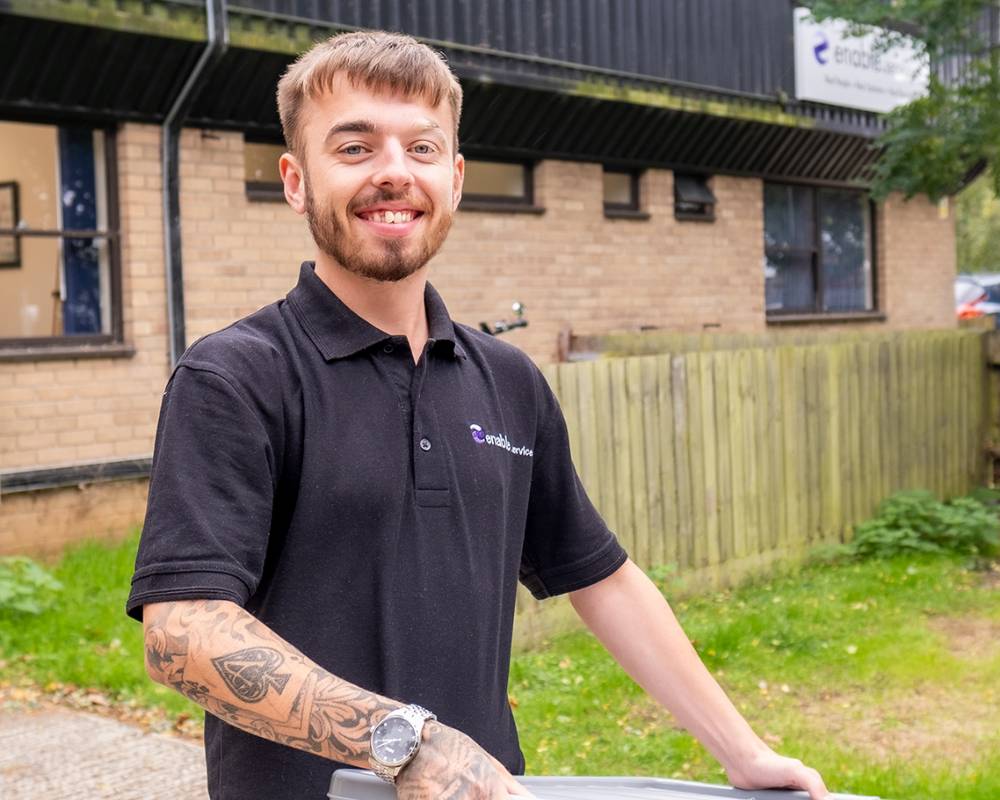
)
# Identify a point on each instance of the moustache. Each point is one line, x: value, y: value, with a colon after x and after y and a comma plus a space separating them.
x: 382, y: 196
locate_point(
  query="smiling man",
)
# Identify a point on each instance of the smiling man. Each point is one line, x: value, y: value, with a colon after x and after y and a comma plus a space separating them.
x: 347, y: 487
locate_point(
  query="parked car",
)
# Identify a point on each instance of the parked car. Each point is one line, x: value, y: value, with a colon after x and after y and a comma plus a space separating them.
x: 977, y: 295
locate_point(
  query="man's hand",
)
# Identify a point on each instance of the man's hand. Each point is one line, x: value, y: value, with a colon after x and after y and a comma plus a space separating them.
x: 768, y: 770
x: 451, y: 766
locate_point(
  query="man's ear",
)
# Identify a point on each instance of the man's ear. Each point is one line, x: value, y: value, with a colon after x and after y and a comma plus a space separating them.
x: 293, y: 178
x: 457, y: 181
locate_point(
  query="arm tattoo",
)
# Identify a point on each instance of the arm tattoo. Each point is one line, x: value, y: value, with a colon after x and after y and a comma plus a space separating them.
x: 237, y: 669
x: 249, y: 673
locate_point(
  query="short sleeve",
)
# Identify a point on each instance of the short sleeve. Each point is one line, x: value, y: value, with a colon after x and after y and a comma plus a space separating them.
x: 567, y: 545
x: 211, y: 495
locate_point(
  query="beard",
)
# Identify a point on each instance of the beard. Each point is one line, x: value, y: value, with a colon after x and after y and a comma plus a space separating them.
x: 386, y: 260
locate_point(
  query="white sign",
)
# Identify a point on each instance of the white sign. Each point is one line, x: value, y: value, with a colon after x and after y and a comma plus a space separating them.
x: 834, y: 67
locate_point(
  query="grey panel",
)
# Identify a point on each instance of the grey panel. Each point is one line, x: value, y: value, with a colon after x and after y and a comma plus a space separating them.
x: 348, y: 784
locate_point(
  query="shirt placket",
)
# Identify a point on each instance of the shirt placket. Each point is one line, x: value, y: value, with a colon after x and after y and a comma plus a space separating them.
x: 429, y: 473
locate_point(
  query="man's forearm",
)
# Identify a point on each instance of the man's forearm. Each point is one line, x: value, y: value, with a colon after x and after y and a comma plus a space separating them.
x: 239, y: 670
x: 633, y: 620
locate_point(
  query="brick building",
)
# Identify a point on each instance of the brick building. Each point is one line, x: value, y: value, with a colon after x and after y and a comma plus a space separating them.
x: 643, y: 164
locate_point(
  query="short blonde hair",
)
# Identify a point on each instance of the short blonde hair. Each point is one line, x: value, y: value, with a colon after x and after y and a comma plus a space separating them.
x: 390, y: 62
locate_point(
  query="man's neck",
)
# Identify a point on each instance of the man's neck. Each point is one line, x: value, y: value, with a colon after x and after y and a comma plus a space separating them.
x: 396, y: 307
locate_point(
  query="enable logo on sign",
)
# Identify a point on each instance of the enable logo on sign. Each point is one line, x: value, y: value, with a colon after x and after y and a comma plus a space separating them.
x: 821, y: 48
x: 831, y: 66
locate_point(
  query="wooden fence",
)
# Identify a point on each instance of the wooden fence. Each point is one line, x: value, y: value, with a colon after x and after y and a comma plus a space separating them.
x: 724, y: 461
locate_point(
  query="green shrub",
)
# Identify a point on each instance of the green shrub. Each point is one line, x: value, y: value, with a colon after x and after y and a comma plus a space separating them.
x: 25, y: 587
x: 916, y: 522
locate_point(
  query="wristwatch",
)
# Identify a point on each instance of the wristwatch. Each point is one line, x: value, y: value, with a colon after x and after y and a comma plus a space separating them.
x: 396, y: 739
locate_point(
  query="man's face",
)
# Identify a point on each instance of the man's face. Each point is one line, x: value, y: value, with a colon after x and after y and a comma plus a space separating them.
x: 379, y: 179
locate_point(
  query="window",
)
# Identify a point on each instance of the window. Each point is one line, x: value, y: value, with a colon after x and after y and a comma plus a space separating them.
x: 260, y: 170
x: 621, y: 194
x: 498, y: 185
x: 818, y: 250
x: 693, y: 199
x: 58, y: 236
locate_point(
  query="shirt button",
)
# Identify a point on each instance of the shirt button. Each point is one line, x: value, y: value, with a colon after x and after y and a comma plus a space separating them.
x: 425, y: 444
x: 388, y: 348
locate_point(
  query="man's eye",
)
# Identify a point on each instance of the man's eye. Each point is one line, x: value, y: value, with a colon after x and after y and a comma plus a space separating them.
x: 353, y: 150
x: 423, y: 149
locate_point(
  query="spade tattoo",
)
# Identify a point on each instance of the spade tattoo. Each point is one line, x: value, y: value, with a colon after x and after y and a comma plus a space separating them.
x: 248, y: 673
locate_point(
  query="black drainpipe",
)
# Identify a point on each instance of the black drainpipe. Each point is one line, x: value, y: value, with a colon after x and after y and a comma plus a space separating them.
x: 217, y: 32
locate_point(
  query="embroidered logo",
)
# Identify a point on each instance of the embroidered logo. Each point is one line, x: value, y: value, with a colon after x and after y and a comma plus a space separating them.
x: 479, y: 436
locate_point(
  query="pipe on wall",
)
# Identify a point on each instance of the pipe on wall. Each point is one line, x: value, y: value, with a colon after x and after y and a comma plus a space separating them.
x: 217, y: 32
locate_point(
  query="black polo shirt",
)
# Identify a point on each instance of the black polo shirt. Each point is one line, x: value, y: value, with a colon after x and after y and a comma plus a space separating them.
x: 374, y: 512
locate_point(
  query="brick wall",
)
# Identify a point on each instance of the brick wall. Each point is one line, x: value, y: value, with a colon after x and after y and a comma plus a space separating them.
x: 574, y: 267
x: 238, y: 255
x: 570, y: 266
x: 43, y: 523
x: 917, y: 263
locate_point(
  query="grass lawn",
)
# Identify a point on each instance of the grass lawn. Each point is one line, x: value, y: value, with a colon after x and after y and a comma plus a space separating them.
x: 885, y: 675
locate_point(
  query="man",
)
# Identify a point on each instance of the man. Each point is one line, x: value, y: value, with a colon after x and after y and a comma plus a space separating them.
x: 347, y: 486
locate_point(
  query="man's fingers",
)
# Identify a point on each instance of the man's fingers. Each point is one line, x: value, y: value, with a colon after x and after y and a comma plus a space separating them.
x: 517, y: 790
x: 513, y: 787
x: 498, y: 791
x: 809, y: 779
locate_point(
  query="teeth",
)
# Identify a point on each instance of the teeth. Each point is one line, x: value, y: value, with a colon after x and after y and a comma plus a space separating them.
x: 390, y: 217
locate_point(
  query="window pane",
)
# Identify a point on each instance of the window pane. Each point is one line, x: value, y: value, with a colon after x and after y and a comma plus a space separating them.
x: 494, y: 179
x: 788, y: 281
x: 62, y: 288
x: 28, y: 158
x: 618, y: 189
x: 692, y: 190
x: 845, y: 241
x: 788, y: 216
x: 51, y: 285
x: 260, y: 162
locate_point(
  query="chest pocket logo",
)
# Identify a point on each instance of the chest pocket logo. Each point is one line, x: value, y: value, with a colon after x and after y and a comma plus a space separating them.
x: 481, y: 437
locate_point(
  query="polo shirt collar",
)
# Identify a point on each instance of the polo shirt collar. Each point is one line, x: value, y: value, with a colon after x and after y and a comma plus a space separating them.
x: 338, y: 332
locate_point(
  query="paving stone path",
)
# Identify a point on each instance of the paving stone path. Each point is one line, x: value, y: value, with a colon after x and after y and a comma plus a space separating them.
x: 55, y: 754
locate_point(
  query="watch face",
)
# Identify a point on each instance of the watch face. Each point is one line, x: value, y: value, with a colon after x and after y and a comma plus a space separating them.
x: 393, y: 741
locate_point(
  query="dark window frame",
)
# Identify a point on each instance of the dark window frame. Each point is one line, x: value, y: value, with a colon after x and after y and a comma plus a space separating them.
x: 264, y: 191
x: 633, y: 208
x: 524, y: 204
x: 83, y: 345
x: 708, y: 212
x: 816, y: 255
x: 15, y: 190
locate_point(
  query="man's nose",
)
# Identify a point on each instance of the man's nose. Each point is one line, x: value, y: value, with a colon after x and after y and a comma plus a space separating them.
x: 392, y: 172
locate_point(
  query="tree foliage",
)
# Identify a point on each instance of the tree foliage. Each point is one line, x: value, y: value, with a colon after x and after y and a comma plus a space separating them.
x: 933, y: 143
x: 977, y: 228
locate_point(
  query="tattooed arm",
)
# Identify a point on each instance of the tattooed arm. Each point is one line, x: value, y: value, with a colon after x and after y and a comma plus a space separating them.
x: 238, y: 669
